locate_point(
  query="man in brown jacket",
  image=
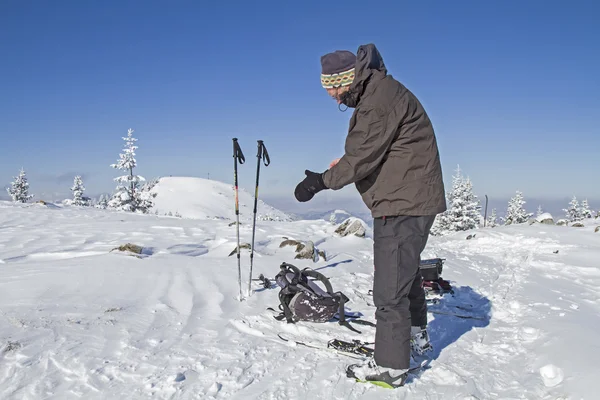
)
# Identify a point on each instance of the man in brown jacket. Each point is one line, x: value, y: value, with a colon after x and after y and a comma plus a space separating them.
x: 391, y: 156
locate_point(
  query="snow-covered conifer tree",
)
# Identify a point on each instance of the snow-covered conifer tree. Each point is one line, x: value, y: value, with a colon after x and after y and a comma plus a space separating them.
x: 78, y: 189
x: 19, y: 189
x: 463, y: 208
x: 332, y: 218
x: 440, y: 225
x: 585, y: 210
x: 145, y: 196
x: 102, y: 202
x: 516, y: 213
x: 125, y: 198
x: 539, y: 211
x: 491, y: 221
x: 573, y: 212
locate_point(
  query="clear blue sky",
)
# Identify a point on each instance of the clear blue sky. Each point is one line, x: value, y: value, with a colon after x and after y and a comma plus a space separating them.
x: 511, y: 86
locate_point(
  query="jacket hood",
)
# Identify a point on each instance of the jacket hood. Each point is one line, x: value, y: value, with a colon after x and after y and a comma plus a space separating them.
x: 369, y: 65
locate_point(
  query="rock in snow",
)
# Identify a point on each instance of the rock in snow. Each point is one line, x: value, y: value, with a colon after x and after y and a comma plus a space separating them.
x: 352, y: 226
x: 545, y: 218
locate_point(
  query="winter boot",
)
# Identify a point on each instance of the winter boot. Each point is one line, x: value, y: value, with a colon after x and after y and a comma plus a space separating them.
x: 419, y: 340
x: 370, y: 372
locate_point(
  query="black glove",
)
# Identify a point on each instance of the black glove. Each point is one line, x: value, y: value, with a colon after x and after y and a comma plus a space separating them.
x: 311, y: 185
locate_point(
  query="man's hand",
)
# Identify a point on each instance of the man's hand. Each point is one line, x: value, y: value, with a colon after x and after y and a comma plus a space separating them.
x: 334, y: 162
x: 311, y: 185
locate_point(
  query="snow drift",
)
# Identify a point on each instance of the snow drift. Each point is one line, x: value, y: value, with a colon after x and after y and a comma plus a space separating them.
x: 208, y: 199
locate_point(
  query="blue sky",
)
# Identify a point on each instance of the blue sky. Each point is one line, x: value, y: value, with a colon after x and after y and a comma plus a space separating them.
x: 511, y: 86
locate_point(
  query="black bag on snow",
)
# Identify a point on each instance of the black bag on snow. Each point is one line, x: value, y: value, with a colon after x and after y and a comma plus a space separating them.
x: 302, y: 299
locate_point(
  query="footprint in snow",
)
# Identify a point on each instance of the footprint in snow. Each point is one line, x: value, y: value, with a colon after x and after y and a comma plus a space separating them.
x: 515, y: 307
x: 528, y: 334
x: 180, y: 377
x: 191, y: 250
x: 214, y: 389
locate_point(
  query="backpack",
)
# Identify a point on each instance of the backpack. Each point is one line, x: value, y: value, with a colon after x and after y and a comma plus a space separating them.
x: 302, y: 299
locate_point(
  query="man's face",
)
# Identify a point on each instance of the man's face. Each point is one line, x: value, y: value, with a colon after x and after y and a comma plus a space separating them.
x: 337, y: 92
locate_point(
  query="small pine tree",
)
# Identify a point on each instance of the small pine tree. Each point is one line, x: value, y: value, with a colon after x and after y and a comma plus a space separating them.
x: 585, y: 211
x: 440, y: 225
x: 539, y: 211
x: 102, y: 202
x: 78, y: 189
x: 573, y: 212
x: 463, y: 208
x: 125, y: 198
x: 491, y: 222
x: 516, y: 213
x: 145, y: 198
x: 332, y: 218
x: 19, y: 189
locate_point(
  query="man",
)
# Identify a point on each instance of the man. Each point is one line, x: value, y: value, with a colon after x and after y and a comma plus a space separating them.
x: 391, y: 156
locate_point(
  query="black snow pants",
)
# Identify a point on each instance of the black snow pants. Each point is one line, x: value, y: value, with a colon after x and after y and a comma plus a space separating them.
x: 398, y: 290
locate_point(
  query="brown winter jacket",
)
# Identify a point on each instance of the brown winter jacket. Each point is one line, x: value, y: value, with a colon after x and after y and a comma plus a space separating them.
x: 391, y: 153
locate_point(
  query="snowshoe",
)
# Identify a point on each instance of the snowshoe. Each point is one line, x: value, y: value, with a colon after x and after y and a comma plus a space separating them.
x: 355, y: 347
x: 369, y: 372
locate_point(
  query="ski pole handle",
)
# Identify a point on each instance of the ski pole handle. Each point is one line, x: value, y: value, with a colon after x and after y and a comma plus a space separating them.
x: 263, y: 153
x: 237, y: 151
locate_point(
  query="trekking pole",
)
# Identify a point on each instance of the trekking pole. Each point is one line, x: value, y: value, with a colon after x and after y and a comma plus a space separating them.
x: 485, y: 212
x: 264, y: 155
x: 238, y: 156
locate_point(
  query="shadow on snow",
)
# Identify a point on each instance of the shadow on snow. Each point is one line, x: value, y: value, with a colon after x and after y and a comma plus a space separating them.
x: 455, y: 315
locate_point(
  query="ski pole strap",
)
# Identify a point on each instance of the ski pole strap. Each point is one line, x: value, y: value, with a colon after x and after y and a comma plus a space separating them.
x: 237, y: 151
x: 265, y: 154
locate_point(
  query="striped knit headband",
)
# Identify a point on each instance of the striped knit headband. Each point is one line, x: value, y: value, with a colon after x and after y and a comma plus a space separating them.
x: 335, y: 80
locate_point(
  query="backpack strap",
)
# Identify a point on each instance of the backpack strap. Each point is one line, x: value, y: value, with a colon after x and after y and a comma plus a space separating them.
x: 342, y: 321
x: 317, y: 275
x: 287, y: 313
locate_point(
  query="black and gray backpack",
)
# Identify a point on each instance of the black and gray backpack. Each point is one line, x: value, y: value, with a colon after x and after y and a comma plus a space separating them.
x: 302, y: 299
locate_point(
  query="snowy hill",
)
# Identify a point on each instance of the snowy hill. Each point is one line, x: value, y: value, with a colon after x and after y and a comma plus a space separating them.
x: 338, y: 215
x: 78, y: 320
x: 208, y: 199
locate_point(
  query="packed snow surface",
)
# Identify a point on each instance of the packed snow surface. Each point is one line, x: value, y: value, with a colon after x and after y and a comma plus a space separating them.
x: 78, y: 320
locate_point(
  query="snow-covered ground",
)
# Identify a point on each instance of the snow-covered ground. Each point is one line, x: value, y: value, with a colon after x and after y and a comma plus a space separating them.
x: 80, y: 321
